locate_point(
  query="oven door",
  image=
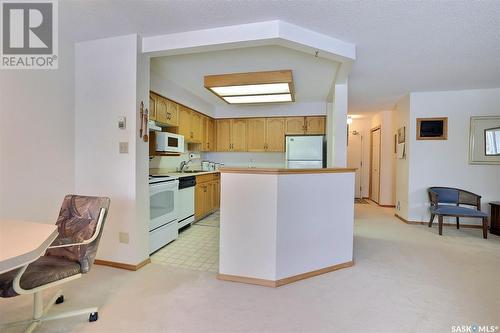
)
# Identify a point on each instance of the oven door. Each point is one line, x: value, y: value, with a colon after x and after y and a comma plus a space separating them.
x: 163, y: 203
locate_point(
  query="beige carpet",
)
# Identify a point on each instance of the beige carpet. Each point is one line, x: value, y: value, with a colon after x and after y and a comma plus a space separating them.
x: 406, y: 278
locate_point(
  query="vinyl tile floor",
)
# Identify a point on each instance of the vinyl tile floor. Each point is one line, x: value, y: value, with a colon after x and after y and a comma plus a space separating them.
x: 197, y: 247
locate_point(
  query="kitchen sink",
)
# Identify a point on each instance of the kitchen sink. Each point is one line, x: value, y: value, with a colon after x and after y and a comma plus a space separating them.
x: 192, y: 171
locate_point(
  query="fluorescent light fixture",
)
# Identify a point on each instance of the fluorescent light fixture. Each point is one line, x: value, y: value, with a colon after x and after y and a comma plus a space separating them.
x: 253, y: 89
x: 258, y: 99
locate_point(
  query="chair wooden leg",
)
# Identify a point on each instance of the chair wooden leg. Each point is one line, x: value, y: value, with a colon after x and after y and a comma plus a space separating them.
x: 485, y: 227
x: 440, y: 219
x: 431, y: 220
x: 458, y: 222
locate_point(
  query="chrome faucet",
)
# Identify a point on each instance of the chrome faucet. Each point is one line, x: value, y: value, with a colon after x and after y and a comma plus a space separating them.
x: 183, y: 165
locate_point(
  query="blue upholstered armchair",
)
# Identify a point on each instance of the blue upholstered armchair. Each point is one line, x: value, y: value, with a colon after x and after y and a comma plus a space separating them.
x: 447, y: 201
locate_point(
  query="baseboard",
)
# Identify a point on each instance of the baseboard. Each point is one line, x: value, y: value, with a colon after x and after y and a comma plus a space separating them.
x: 473, y: 226
x: 120, y: 265
x: 281, y: 282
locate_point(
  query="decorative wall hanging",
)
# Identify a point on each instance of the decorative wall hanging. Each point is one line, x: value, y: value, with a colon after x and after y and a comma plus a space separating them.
x: 484, y: 140
x: 432, y: 128
x: 402, y: 134
x: 143, y: 131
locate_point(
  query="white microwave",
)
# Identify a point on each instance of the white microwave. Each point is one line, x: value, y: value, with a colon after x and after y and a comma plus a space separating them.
x: 169, y: 142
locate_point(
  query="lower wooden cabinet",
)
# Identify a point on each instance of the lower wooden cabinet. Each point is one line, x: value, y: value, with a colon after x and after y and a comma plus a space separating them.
x: 207, y: 195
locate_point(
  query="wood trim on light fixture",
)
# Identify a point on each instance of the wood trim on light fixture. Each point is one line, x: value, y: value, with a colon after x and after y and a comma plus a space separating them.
x: 250, y: 78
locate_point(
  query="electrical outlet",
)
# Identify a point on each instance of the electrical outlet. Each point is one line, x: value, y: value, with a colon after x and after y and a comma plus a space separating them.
x: 123, y: 237
x: 123, y: 147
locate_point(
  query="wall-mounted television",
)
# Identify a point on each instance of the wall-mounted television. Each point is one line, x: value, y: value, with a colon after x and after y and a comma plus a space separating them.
x: 432, y: 128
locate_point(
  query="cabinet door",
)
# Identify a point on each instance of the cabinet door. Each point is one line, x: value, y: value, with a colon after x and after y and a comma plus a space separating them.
x: 204, y: 141
x: 209, y: 197
x: 238, y: 135
x: 315, y: 125
x: 196, y: 127
x: 152, y: 107
x: 210, y: 135
x: 294, y: 125
x: 185, y: 123
x: 199, y: 201
x: 172, y: 113
x: 256, y: 134
x: 161, y: 110
x: 223, y: 134
x: 275, y: 134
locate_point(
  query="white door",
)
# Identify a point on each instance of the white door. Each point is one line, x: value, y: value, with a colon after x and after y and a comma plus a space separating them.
x: 375, y: 166
x: 354, y: 155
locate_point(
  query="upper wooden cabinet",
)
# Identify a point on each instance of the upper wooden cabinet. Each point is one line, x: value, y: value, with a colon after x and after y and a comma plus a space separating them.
x: 190, y: 125
x: 184, y: 122
x: 315, y: 125
x: 163, y: 110
x: 275, y: 134
x: 266, y: 134
x: 208, y: 143
x: 231, y: 134
x: 152, y: 107
x: 305, y: 125
x: 196, y: 127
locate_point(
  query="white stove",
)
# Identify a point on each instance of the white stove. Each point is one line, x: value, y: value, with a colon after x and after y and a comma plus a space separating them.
x: 163, y: 196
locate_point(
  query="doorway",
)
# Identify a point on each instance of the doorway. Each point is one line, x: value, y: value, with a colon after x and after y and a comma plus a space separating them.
x: 354, y: 159
x: 375, y: 164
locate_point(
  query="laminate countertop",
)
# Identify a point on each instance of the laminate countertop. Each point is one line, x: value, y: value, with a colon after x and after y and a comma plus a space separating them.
x: 284, y: 171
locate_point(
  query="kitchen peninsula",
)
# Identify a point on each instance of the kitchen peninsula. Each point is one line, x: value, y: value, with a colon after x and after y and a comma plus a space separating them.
x: 278, y: 226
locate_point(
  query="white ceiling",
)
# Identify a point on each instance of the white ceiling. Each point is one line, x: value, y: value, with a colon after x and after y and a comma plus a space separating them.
x: 312, y: 76
x: 402, y: 46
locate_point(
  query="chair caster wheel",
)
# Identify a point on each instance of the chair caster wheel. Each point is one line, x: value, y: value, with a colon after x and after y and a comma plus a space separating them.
x: 93, y: 316
x: 60, y: 299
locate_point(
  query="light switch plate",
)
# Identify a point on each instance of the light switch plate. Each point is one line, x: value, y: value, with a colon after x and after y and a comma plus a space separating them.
x: 122, y: 122
x: 123, y: 147
x: 123, y: 237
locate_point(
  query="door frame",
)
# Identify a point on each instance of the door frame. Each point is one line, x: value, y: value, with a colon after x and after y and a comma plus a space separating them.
x: 377, y: 128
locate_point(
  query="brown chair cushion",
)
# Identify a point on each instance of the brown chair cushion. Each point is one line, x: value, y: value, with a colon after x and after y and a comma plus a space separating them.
x: 43, y: 271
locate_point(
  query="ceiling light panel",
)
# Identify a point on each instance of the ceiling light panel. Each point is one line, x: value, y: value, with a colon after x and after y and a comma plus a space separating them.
x: 252, y: 89
x: 258, y: 99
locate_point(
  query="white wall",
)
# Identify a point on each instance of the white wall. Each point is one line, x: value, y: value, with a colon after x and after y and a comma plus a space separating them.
x: 336, y: 127
x: 245, y: 160
x: 37, y: 140
x: 105, y: 90
x: 402, y: 119
x: 169, y: 89
x: 384, y: 119
x: 445, y: 163
x: 287, y: 109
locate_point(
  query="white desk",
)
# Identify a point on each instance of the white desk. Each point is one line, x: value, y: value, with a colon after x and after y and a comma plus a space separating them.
x: 23, y: 242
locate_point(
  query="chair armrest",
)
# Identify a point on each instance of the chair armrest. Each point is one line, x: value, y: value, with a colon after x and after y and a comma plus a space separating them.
x: 433, y: 198
x: 67, y: 242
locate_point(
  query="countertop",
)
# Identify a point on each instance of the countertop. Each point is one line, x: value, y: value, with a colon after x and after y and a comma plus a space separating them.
x: 176, y: 174
x: 284, y: 171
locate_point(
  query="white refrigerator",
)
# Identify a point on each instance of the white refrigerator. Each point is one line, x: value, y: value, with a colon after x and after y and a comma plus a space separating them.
x: 305, y: 151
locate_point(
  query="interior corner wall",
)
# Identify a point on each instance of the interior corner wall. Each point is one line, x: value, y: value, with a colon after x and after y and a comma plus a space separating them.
x: 384, y: 119
x: 105, y: 89
x: 37, y: 139
x: 402, y: 119
x: 169, y: 89
x: 445, y: 162
x: 337, y: 127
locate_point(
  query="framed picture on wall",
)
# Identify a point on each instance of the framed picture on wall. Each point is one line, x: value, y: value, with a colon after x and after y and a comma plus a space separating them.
x: 484, y: 140
x: 402, y: 134
x: 432, y: 128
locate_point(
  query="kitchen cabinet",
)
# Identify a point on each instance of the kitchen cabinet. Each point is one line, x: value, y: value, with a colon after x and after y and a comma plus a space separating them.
x: 231, y: 135
x: 172, y: 113
x: 314, y: 125
x: 152, y: 106
x: 208, y: 134
x: 190, y: 125
x: 275, y: 134
x: 207, y: 195
x: 238, y: 135
x: 295, y: 126
x: 266, y: 134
